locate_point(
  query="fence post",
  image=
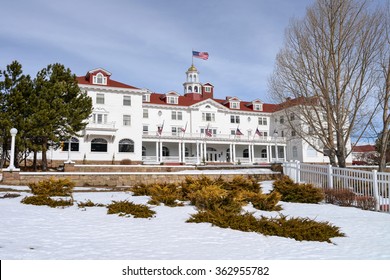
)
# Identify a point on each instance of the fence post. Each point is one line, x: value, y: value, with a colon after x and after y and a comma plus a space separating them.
x: 330, y: 177
x: 298, y: 172
x: 375, y: 187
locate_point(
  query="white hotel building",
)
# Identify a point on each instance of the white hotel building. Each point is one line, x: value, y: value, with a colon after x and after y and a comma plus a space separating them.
x: 130, y: 123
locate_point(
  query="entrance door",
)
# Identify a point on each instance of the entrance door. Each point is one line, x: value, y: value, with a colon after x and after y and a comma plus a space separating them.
x: 211, y: 154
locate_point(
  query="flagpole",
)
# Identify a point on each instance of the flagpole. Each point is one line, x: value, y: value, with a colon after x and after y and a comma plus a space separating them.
x: 192, y: 56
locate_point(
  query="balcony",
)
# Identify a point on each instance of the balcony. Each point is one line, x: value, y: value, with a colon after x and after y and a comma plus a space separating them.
x: 101, y: 129
x: 153, y: 135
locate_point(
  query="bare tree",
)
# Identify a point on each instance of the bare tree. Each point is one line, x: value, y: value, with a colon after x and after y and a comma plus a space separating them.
x: 328, y: 64
x: 384, y: 91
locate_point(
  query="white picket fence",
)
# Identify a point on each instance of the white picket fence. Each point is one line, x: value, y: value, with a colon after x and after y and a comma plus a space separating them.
x: 362, y: 183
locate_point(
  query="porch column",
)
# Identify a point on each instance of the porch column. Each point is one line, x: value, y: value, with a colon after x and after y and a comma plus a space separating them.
x: 230, y: 152
x: 268, y: 154
x: 284, y: 153
x: 253, y: 153
x: 205, y: 151
x: 197, y: 152
x: 161, y: 152
x: 157, y: 157
x: 184, y: 152
x: 180, y: 152
x: 234, y: 153
x: 250, y: 153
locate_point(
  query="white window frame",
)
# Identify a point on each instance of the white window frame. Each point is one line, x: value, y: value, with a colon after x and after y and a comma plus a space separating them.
x: 126, y: 120
x: 145, y: 113
x: 146, y: 97
x: 177, y: 115
x: 208, y: 117
x: 234, y: 119
x: 100, y: 98
x: 126, y: 100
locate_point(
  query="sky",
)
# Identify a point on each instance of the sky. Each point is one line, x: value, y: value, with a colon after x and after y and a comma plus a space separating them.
x: 149, y: 43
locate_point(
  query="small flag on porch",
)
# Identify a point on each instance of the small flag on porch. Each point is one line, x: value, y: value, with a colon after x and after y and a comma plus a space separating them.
x: 183, y: 129
x: 160, y: 129
x: 258, y: 132
x: 201, y: 55
x: 238, y: 132
x: 208, y: 132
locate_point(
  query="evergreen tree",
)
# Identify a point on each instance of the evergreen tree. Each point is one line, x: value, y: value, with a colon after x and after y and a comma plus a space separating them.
x: 60, y: 110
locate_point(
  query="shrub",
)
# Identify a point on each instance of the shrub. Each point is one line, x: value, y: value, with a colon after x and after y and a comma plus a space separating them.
x: 52, y: 187
x: 209, y: 197
x: 277, y: 167
x: 300, y: 193
x: 241, y: 183
x: 10, y: 195
x: 89, y: 203
x: 45, y: 200
x: 168, y: 194
x: 125, y: 208
x: 296, y: 228
x: 365, y: 202
x: 343, y: 197
x: 266, y: 202
x: 140, y: 190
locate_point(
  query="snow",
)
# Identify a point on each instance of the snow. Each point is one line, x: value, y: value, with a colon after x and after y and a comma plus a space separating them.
x: 39, y: 232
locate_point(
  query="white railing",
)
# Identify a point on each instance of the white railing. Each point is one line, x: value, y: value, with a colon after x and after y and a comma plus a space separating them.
x: 361, y: 183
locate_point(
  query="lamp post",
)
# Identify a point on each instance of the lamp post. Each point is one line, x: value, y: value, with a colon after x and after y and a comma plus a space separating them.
x: 276, y: 146
x: 11, y: 166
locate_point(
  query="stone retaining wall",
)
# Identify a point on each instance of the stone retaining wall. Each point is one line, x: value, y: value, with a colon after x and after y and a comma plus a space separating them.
x: 104, y: 179
x: 125, y: 168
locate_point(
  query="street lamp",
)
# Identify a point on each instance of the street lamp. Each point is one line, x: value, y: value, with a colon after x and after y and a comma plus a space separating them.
x: 276, y: 146
x: 11, y: 166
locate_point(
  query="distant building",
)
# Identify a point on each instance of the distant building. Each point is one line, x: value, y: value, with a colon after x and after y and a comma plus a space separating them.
x: 364, y: 154
x: 130, y: 123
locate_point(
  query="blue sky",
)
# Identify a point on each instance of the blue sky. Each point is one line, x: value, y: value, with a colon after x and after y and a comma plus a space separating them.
x: 148, y: 43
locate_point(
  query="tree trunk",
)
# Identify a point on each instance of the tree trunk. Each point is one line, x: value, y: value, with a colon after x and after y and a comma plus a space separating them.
x: 35, y: 161
x: 44, y: 156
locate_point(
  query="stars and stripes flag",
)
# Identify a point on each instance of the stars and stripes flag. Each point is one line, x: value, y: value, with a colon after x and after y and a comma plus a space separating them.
x: 238, y: 132
x: 160, y: 128
x: 183, y: 129
x: 201, y: 55
x: 208, y: 131
x: 258, y: 132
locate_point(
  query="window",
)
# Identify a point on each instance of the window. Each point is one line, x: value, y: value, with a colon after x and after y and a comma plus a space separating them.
x: 126, y: 100
x: 282, y: 134
x: 262, y: 121
x: 126, y: 120
x: 172, y: 99
x: 294, y: 152
x: 143, y: 151
x: 99, y: 145
x: 99, y: 79
x: 234, y: 119
x: 293, y: 133
x: 145, y: 130
x: 146, y: 98
x: 175, y: 130
x: 165, y: 151
x: 292, y: 116
x: 99, y: 118
x: 234, y: 105
x: 208, y: 117
x: 281, y: 119
x: 74, y: 145
x: 177, y: 115
x: 126, y: 146
x: 207, y: 89
x: 145, y: 114
x: 264, y: 153
x: 213, y: 131
x: 195, y: 89
x: 232, y: 132
x: 245, y: 153
x: 258, y: 107
x: 99, y: 98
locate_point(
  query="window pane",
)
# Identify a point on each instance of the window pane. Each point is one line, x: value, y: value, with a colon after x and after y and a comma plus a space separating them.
x: 100, y: 98
x: 127, y: 100
x: 126, y: 120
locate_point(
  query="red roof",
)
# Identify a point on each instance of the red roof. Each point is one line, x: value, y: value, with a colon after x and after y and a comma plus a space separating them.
x: 193, y: 98
x: 84, y: 80
x: 363, y: 149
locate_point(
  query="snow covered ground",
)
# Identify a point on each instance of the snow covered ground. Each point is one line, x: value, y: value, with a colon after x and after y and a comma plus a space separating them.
x: 40, y: 232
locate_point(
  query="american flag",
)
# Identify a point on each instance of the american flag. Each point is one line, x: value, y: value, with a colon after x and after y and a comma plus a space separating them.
x: 160, y: 128
x: 238, y: 132
x: 183, y: 129
x: 258, y: 132
x: 201, y: 55
x: 208, y: 132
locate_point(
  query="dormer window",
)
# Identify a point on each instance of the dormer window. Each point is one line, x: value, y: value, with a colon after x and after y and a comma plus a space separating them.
x: 258, y: 107
x: 99, y: 79
x: 172, y: 100
x: 207, y: 89
x: 234, y: 105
